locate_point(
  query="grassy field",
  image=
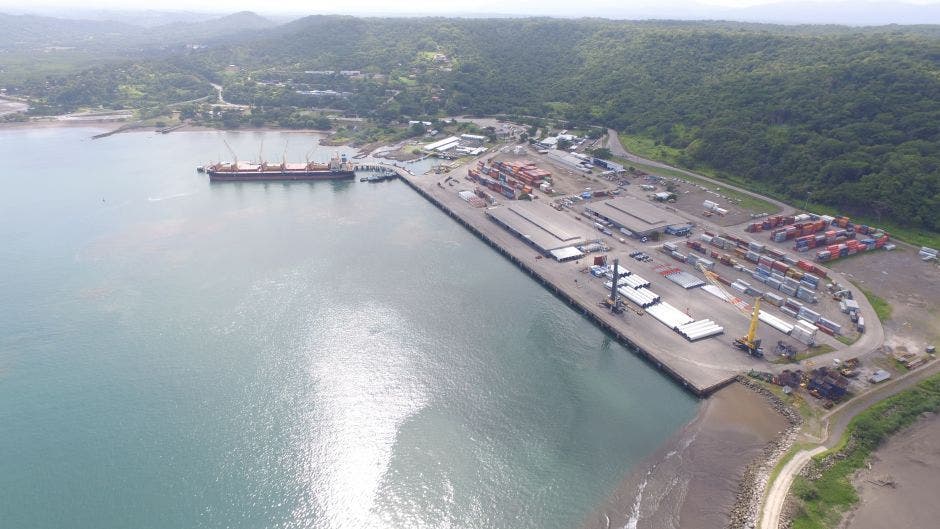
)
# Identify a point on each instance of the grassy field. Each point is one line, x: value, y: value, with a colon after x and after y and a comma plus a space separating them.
x: 848, y: 340
x: 647, y: 148
x: 881, y: 305
x: 823, y: 500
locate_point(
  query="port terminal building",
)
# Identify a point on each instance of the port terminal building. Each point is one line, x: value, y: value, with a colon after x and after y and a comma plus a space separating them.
x: 640, y: 218
x: 550, y: 232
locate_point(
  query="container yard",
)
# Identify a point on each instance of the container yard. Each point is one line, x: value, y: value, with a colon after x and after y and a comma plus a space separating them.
x: 827, y: 238
x: 680, y: 298
x: 687, y: 291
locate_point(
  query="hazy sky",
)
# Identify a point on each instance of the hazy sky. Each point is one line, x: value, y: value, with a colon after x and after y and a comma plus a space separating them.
x: 516, y: 6
x: 852, y: 11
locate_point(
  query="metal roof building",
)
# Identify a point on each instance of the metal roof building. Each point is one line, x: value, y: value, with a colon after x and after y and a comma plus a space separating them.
x: 541, y: 226
x: 641, y: 218
x: 445, y: 143
x: 567, y: 254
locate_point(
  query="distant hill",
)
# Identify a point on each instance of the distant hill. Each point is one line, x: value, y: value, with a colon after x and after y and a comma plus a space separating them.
x: 241, y: 25
x: 32, y: 32
x: 18, y: 32
x: 841, y: 117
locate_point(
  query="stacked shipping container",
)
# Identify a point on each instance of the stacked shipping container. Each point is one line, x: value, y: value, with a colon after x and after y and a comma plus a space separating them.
x: 810, y: 231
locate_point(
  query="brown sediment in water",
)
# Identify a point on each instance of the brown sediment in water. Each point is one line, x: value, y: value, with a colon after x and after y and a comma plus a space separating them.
x: 691, y: 482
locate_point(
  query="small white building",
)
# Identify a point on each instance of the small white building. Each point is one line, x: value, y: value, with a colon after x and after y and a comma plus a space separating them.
x: 549, y: 143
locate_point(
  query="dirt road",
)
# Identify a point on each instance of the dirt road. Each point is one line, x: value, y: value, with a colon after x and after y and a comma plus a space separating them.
x: 617, y: 149
x: 837, y: 420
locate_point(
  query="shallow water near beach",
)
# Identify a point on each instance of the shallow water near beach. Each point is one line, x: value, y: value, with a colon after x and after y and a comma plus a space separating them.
x: 175, y: 353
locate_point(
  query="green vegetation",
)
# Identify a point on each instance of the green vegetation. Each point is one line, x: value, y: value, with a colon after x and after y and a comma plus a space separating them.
x: 646, y: 147
x: 839, y: 117
x: 797, y: 447
x: 815, y: 350
x: 848, y: 340
x: 881, y: 305
x: 823, y: 500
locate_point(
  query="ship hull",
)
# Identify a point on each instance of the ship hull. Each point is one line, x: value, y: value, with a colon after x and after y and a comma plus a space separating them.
x: 256, y: 176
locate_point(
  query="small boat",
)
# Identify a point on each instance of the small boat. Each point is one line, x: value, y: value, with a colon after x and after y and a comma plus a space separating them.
x: 379, y: 177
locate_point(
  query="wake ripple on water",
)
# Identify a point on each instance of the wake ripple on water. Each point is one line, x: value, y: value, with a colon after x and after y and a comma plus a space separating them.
x: 662, y: 489
x: 170, y: 197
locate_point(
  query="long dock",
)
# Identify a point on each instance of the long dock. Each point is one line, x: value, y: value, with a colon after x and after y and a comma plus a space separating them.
x: 701, y: 373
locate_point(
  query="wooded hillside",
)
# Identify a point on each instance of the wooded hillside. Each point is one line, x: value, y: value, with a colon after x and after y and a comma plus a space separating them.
x: 837, y: 116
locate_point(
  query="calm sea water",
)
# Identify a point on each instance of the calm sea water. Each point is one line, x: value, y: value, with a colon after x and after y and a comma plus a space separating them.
x: 175, y: 354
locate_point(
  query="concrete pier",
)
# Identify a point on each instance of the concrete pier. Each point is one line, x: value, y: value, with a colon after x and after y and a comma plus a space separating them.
x: 702, y: 367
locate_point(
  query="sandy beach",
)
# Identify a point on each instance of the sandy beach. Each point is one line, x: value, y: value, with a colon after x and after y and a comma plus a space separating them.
x: 10, y: 106
x: 899, y: 490
x: 692, y: 480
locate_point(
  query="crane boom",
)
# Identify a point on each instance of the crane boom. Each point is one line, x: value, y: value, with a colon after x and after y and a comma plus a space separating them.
x: 737, y: 302
x: 752, y: 329
x: 749, y: 343
x: 230, y: 150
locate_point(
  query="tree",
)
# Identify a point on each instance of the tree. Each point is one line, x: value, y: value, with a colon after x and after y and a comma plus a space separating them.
x: 602, y: 152
x: 416, y: 129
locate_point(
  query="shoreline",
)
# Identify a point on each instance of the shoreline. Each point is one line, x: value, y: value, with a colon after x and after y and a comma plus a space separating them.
x: 699, y: 477
x: 710, y: 474
x: 106, y: 124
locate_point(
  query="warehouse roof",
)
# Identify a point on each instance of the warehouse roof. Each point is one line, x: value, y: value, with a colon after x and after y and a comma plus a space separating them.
x: 441, y: 143
x: 635, y: 215
x: 567, y: 254
x: 540, y: 224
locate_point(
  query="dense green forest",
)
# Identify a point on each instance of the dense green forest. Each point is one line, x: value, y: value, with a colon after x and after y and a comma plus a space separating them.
x: 838, y: 116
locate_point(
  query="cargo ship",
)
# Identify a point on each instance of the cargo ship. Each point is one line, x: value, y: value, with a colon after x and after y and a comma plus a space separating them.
x: 337, y: 168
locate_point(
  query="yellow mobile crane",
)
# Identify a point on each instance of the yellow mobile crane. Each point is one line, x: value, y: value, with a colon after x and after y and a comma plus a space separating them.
x: 749, y: 343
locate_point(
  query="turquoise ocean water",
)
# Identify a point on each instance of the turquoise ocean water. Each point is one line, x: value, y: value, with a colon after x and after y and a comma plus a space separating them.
x: 175, y: 354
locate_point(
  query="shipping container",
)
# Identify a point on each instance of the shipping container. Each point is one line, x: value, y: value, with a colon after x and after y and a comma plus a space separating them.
x: 773, y: 299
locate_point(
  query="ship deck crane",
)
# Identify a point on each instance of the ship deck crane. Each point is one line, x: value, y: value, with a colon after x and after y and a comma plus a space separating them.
x: 234, y: 156
x: 749, y: 343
